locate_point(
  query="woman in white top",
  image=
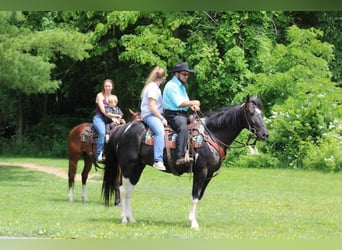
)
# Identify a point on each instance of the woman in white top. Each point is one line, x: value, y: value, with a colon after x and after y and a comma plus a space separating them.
x: 152, y: 112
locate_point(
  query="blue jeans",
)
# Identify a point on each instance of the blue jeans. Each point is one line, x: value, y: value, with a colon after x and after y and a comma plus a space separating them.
x: 158, y: 129
x: 178, y: 122
x: 100, y: 126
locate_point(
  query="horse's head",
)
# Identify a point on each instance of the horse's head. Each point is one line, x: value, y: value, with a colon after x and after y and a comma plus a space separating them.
x: 252, y: 109
x: 136, y: 116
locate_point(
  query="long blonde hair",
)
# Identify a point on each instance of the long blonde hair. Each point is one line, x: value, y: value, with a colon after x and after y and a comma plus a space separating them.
x: 104, y: 83
x: 157, y: 73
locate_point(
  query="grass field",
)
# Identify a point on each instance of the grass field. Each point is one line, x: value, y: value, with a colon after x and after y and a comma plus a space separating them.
x: 238, y: 204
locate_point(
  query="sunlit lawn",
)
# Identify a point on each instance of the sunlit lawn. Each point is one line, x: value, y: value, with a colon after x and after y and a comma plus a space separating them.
x: 238, y: 204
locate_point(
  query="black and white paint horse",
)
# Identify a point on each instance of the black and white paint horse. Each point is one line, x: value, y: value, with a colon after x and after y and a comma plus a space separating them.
x: 127, y: 154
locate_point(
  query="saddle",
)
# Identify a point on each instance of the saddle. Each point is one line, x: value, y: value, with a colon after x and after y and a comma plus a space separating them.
x: 89, y: 134
x: 195, y: 130
x: 197, y: 139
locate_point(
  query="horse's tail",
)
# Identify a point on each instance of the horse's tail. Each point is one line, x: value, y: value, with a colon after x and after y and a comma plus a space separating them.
x: 111, y: 176
x: 110, y: 170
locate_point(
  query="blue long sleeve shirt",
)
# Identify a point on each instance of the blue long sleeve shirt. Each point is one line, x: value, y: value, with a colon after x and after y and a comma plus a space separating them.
x: 174, y: 94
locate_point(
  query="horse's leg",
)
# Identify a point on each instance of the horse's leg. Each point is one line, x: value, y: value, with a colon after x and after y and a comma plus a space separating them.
x: 117, y: 201
x: 71, y: 176
x: 193, y: 214
x: 200, y: 183
x: 194, y: 207
x: 85, y: 172
x: 117, y: 187
x: 126, y: 191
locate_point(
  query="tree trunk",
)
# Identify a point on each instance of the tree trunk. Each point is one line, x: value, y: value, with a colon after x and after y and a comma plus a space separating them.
x: 20, y: 119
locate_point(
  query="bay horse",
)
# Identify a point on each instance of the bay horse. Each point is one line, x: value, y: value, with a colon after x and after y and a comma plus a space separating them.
x: 127, y: 154
x: 82, y: 142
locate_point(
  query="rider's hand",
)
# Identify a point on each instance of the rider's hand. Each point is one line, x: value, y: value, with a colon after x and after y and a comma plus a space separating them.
x: 196, y: 103
x: 164, y: 121
x: 195, y: 108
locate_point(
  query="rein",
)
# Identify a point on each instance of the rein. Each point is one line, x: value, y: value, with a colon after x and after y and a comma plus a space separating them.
x: 213, y: 137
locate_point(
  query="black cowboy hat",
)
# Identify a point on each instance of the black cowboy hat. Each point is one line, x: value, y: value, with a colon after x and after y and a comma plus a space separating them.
x: 183, y: 66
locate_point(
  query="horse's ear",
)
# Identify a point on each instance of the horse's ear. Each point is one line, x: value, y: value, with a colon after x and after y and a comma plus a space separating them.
x: 247, y: 98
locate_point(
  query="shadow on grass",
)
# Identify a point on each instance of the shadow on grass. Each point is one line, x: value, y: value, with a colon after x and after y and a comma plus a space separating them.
x: 141, y: 222
x: 77, y: 201
x: 16, y: 175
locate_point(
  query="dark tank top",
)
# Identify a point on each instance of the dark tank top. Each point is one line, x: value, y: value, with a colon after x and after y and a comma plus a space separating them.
x: 98, y: 111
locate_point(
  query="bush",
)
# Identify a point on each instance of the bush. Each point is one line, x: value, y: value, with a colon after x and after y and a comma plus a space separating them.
x: 256, y: 161
x: 48, y: 138
x: 241, y: 156
x: 326, y: 157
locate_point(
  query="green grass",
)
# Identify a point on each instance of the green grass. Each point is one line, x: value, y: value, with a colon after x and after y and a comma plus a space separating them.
x: 238, y: 204
x: 57, y: 163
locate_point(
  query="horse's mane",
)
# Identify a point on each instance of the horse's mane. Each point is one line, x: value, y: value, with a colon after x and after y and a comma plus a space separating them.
x: 223, y: 117
x: 228, y: 115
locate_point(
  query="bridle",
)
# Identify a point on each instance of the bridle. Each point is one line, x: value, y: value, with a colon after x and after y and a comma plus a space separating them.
x: 251, y: 129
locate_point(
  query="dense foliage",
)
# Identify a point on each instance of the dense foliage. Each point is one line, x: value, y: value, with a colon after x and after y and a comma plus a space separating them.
x: 53, y: 63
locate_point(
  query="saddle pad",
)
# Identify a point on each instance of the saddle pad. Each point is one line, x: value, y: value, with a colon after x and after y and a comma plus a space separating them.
x: 89, y: 135
x: 195, y: 135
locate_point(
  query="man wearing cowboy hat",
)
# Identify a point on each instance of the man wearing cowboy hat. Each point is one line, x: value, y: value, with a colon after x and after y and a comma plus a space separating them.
x: 176, y: 104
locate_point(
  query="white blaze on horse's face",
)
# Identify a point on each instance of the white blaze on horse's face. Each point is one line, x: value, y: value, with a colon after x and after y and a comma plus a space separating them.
x: 258, y: 111
x: 258, y: 125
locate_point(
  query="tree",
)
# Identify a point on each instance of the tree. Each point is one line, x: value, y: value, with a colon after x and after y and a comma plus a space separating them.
x: 294, y: 68
x: 303, y: 102
x: 26, y: 58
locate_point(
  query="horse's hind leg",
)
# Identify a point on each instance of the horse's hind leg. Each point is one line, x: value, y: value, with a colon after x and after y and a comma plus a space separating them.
x: 117, y: 187
x: 85, y: 173
x: 126, y: 191
x: 71, y: 177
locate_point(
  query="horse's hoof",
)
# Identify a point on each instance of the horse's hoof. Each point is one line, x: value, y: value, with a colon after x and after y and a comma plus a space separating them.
x: 85, y: 199
x: 124, y: 220
x: 131, y: 220
x: 194, y: 225
x: 71, y: 198
x: 117, y: 203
